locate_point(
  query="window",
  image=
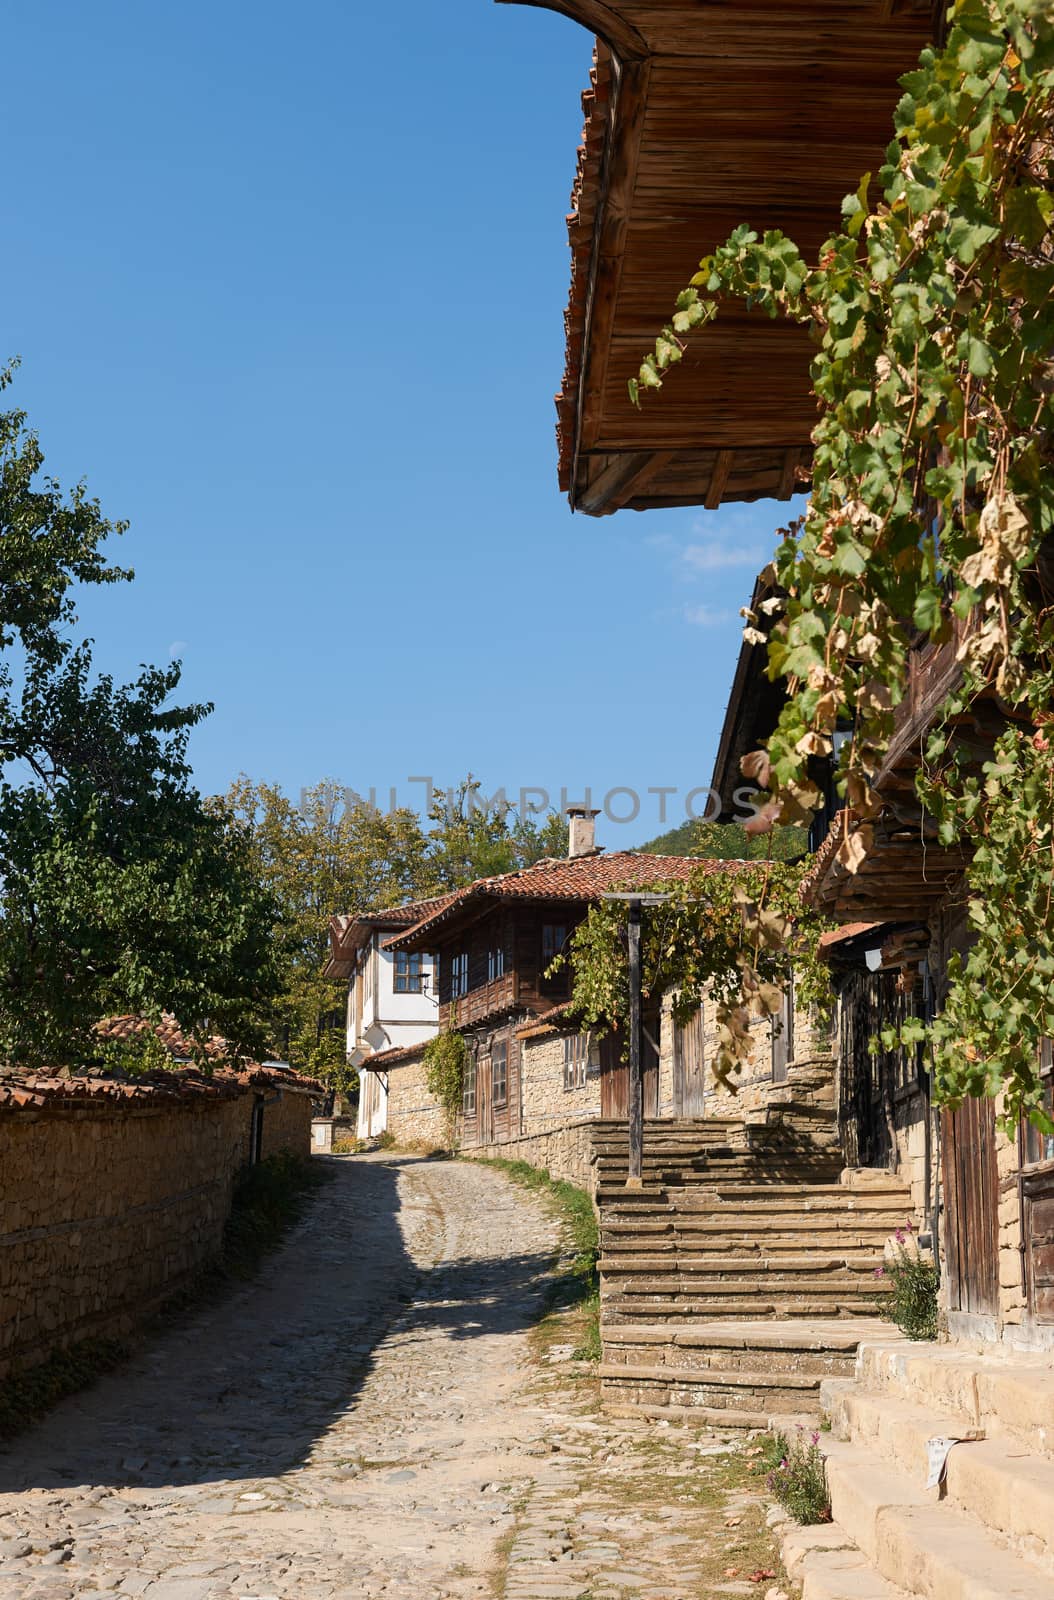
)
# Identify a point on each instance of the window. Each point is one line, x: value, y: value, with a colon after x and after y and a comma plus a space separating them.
x: 459, y: 975
x: 499, y: 1072
x: 554, y: 937
x: 468, y: 1088
x: 407, y: 972
x: 1037, y: 1145
x: 576, y: 1060
x: 495, y: 963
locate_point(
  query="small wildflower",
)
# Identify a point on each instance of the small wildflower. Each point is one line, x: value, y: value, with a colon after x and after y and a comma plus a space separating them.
x: 900, y: 1235
x: 880, y: 1272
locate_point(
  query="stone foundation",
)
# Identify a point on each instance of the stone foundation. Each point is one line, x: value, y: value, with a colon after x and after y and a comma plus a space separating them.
x: 565, y: 1153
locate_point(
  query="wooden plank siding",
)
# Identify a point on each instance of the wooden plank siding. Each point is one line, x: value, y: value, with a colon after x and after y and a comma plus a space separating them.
x: 494, y: 1121
x: 700, y: 118
x: 971, y: 1199
x: 517, y: 933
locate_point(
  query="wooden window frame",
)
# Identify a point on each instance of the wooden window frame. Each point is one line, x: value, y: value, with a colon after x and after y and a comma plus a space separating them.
x: 459, y: 975
x: 550, y: 947
x: 576, y: 1061
x: 495, y: 963
x: 499, y: 1073
x: 468, y: 1088
x: 1037, y: 1149
x: 408, y: 977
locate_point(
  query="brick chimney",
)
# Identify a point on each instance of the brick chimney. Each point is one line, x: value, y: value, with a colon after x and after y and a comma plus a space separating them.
x: 581, y: 832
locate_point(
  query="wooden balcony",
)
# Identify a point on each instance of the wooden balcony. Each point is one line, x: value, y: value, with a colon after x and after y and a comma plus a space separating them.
x: 483, y: 1001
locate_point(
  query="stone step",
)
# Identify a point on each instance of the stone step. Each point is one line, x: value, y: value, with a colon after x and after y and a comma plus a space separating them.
x: 768, y: 1284
x: 738, y: 1343
x: 620, y: 1310
x: 732, y: 1391
x: 987, y: 1479
x: 844, y: 1574
x: 723, y: 1264
x: 664, y: 1241
x: 929, y: 1550
x: 725, y: 1419
x: 801, y: 1196
x: 1010, y: 1396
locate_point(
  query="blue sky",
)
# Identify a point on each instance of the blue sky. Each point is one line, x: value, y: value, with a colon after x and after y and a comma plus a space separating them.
x: 288, y: 285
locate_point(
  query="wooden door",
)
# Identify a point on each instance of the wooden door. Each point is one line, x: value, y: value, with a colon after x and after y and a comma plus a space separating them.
x: 1037, y: 1196
x: 689, y: 1069
x: 1037, y: 1200
x: 485, y: 1101
x: 649, y: 1063
x: 971, y: 1208
x: 614, y: 1074
x: 614, y: 1079
x: 782, y: 1027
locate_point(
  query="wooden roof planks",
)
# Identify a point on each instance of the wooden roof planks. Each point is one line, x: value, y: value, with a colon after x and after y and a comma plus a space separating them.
x: 701, y: 116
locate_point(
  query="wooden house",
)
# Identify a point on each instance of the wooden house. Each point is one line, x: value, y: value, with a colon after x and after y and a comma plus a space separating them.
x: 495, y: 942
x: 391, y: 1003
x: 700, y: 117
x: 986, y: 1202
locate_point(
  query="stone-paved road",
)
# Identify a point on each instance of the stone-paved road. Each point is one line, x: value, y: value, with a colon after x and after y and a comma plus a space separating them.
x: 369, y: 1418
x: 346, y: 1426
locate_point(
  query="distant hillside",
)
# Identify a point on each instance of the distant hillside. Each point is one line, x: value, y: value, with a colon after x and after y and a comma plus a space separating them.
x: 726, y: 841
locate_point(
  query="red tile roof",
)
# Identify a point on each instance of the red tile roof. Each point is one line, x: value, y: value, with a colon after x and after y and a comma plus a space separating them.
x: 391, y: 1058
x: 350, y: 931
x: 567, y: 879
x: 186, y: 1080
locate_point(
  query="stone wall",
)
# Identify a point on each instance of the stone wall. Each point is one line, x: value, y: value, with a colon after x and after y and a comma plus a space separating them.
x: 286, y: 1122
x: 105, y: 1212
x: 808, y: 1095
x: 547, y: 1105
x: 565, y: 1153
x: 415, y: 1116
x: 109, y: 1205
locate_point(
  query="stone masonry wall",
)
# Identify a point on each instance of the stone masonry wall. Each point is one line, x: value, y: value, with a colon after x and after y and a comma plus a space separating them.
x: 106, y: 1209
x: 286, y: 1122
x: 565, y: 1153
x: 415, y: 1116
x: 810, y: 1071
x: 547, y: 1105
x: 103, y: 1212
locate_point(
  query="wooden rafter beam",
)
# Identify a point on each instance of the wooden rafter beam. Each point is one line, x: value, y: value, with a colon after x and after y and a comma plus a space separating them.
x: 623, y: 478
x: 719, y: 479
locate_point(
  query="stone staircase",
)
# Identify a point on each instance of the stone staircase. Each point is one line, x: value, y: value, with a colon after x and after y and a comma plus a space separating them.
x: 988, y: 1532
x: 742, y: 1273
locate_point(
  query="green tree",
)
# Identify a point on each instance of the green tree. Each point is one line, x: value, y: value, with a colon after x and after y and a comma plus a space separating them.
x: 119, y: 889
x: 728, y: 841
x: 319, y: 859
x: 473, y: 837
x: 331, y: 854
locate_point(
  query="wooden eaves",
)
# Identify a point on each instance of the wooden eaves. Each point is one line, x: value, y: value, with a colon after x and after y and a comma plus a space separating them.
x: 702, y: 115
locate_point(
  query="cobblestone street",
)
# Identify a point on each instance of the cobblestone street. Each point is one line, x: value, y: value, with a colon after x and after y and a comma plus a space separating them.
x: 374, y: 1416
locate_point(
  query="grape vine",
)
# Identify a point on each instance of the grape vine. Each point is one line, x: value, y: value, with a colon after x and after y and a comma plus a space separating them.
x: 931, y: 507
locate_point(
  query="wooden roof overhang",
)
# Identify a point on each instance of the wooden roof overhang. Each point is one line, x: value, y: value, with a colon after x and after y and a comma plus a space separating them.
x: 702, y: 115
x: 753, y: 710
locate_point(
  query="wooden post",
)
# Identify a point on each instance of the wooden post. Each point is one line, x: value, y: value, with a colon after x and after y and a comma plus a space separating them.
x: 634, y: 1178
